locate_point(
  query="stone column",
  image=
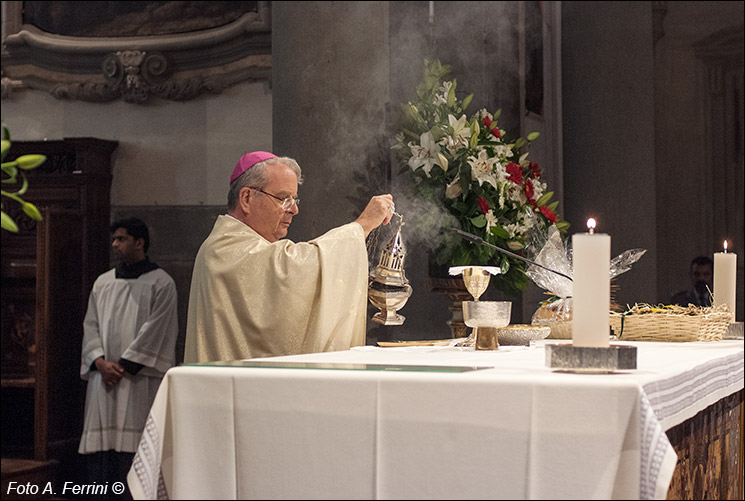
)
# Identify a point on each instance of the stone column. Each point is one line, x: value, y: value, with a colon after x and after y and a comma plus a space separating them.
x: 330, y: 74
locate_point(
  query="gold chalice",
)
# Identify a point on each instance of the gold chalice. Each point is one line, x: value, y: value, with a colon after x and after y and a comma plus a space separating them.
x: 476, y: 280
x: 482, y: 316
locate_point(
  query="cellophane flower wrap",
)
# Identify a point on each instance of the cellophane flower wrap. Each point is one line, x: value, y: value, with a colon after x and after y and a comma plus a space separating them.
x: 471, y: 167
x: 552, y: 253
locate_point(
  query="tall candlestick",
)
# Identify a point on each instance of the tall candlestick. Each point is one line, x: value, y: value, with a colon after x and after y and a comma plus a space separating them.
x: 591, y: 288
x: 725, y: 279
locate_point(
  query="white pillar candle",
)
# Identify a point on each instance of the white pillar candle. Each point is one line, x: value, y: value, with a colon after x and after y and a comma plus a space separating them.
x: 591, y: 288
x: 725, y: 279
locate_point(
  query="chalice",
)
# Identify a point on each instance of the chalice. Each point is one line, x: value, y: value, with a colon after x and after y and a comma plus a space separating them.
x: 484, y: 317
x: 477, y: 280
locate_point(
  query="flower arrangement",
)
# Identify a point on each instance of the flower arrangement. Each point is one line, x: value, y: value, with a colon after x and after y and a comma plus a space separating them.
x: 481, y: 177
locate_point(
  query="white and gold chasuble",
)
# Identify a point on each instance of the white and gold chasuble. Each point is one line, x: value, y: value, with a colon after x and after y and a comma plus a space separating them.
x: 250, y: 298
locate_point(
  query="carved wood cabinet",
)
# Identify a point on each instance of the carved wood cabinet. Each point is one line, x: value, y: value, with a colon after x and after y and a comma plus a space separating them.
x: 48, y: 269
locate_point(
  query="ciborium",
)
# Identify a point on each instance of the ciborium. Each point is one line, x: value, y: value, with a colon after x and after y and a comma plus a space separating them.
x: 388, y: 289
x: 484, y: 317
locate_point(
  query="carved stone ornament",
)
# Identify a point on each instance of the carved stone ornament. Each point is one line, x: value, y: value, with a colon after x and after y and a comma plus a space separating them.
x: 176, y: 67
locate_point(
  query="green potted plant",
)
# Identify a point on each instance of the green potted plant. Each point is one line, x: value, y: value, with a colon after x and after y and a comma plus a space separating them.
x: 12, y: 170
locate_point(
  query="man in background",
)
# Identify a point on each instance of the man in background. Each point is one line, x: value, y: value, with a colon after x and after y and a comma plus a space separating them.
x: 129, y: 341
x: 701, y: 272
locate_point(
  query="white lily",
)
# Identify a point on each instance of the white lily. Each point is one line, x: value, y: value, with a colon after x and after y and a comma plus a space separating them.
x: 491, y: 220
x: 461, y: 132
x: 424, y: 155
x: 539, y: 189
x: 442, y: 95
x: 503, y: 151
x: 483, y: 168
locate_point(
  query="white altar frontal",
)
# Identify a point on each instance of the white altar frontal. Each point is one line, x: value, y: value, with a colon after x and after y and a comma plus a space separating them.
x: 427, y: 422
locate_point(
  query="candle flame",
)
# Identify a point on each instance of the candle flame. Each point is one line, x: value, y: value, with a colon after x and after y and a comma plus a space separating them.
x: 591, y: 224
x: 725, y: 246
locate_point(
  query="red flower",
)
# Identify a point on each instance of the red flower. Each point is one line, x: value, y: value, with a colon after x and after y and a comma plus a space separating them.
x: 493, y: 129
x: 529, y: 192
x: 515, y: 172
x: 548, y: 213
x: 535, y: 170
x: 484, y: 204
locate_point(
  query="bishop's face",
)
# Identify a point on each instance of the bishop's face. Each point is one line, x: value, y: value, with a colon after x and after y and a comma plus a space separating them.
x: 267, y: 217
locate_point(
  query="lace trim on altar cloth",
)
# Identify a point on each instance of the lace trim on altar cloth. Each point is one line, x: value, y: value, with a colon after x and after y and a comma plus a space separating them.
x: 147, y: 463
x: 661, y: 400
x: 653, y: 448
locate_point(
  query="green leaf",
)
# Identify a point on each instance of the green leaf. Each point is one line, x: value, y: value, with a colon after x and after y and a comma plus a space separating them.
x: 504, y: 264
x: 515, y: 245
x: 467, y: 101
x: 553, y: 206
x: 8, y: 223
x: 479, y: 221
x: 465, y: 180
x: 437, y: 133
x: 10, y: 170
x: 24, y: 185
x: 519, y: 143
x: 475, y: 126
x: 411, y: 134
x: 474, y: 140
x: 500, y: 232
x: 533, y: 136
x: 544, y: 198
x: 31, y: 211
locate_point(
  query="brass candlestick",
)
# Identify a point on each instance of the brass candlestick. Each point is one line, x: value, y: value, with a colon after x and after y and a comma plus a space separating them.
x: 388, y: 289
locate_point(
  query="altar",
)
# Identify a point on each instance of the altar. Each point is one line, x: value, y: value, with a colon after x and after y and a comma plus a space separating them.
x: 427, y: 422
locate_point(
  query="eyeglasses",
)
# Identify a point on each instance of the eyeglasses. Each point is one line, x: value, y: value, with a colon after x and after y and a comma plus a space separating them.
x: 287, y: 203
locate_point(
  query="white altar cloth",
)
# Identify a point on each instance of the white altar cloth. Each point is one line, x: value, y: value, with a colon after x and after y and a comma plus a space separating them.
x: 514, y: 429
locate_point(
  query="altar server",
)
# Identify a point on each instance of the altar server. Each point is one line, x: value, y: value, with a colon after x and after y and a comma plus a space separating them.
x: 255, y: 294
x: 129, y: 341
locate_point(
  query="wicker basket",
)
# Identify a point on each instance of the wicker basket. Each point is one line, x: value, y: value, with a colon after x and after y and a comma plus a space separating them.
x: 561, y: 329
x: 558, y: 316
x: 671, y: 323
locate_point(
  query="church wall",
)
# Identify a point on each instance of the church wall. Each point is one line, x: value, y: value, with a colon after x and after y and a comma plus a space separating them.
x: 609, y: 169
x: 173, y: 162
x: 637, y: 135
x: 690, y: 192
